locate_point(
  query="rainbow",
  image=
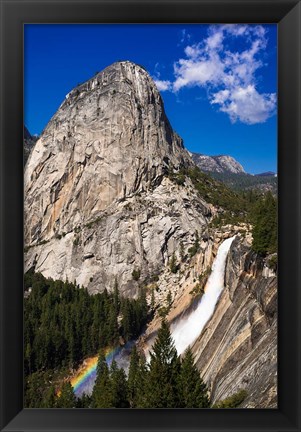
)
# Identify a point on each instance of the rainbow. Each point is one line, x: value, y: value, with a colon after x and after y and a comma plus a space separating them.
x: 85, y: 376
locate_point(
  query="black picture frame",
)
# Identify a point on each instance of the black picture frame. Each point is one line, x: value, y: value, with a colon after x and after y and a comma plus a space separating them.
x: 14, y: 13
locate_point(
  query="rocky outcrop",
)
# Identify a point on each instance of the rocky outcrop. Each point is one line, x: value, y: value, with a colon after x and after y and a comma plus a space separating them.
x: 238, y: 347
x: 186, y: 285
x: 109, y: 139
x: 98, y: 201
x: 217, y: 164
x: 28, y: 144
x: 139, y: 233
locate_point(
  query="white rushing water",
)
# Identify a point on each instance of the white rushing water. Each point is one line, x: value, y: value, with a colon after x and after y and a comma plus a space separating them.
x: 187, y: 329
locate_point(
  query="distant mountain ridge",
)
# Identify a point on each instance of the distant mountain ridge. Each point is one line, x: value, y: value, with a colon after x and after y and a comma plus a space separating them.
x: 266, y: 174
x: 218, y: 164
x: 229, y: 171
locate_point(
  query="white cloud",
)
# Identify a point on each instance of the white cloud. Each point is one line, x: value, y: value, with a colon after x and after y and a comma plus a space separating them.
x: 235, y: 29
x: 220, y: 97
x: 229, y: 76
x: 163, y: 85
x: 197, y: 72
x: 246, y: 104
x: 192, y: 51
x: 215, y: 41
x: 157, y: 71
x: 184, y: 36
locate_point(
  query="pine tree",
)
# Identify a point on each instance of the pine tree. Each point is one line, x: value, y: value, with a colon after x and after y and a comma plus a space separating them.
x: 74, y: 348
x: 133, y: 377
x: 84, y: 401
x: 126, y: 322
x: 196, y: 245
x: 34, y: 389
x: 271, y: 222
x: 116, y: 298
x: 118, y: 387
x: 152, y: 303
x: 164, y: 349
x: 142, y: 384
x: 182, y: 251
x: 143, y: 307
x: 112, y: 326
x: 67, y: 397
x: 102, y: 394
x: 27, y: 359
x: 169, y: 300
x: 264, y: 231
x: 50, y: 399
x: 173, y: 263
x: 192, y: 389
x: 163, y: 370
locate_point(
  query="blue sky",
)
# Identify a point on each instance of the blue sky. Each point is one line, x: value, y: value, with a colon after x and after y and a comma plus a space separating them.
x: 218, y: 82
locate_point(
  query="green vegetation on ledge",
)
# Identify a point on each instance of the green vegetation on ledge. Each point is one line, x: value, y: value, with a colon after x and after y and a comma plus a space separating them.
x: 250, y: 206
x: 264, y: 216
x: 243, y: 181
x: 212, y: 191
x: 233, y: 401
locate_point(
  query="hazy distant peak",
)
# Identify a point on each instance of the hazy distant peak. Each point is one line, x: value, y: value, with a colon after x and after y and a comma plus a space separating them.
x: 219, y: 163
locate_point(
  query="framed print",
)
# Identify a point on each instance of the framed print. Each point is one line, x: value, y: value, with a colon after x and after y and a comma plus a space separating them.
x: 150, y: 207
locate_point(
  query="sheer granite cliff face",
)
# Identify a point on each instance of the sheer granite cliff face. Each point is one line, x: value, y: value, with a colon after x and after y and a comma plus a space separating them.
x: 98, y: 203
x: 238, y: 347
x: 109, y: 139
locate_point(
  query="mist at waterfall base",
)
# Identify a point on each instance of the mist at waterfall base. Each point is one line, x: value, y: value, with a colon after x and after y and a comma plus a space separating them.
x: 83, y: 381
x: 184, y: 331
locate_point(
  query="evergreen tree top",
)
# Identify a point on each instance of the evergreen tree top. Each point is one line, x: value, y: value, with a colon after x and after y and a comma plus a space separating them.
x: 164, y: 349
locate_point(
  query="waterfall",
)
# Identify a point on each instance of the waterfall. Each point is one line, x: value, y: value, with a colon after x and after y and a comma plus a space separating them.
x: 187, y: 329
x: 184, y: 331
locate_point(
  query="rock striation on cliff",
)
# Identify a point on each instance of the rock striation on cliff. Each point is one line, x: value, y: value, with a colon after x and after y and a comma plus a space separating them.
x: 238, y: 347
x: 101, y: 206
x: 98, y: 201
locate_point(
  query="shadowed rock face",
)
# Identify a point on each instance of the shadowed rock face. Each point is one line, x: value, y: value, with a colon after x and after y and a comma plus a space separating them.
x: 238, y: 347
x: 98, y: 203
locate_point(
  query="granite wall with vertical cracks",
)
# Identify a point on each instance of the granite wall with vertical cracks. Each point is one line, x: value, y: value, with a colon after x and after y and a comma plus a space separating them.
x: 238, y: 347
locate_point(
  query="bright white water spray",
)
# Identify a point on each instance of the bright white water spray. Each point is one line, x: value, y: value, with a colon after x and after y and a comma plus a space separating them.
x: 188, y: 328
